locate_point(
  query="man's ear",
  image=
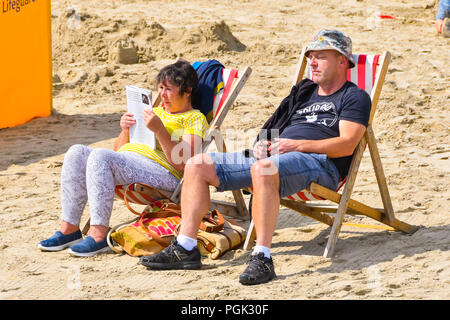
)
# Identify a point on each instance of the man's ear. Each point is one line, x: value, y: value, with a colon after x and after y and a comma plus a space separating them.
x: 345, y: 61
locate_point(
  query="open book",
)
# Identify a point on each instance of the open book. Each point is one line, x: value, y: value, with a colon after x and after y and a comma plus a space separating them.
x: 138, y: 100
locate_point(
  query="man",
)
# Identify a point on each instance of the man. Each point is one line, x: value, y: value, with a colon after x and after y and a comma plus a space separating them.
x: 319, y: 124
x: 442, y: 22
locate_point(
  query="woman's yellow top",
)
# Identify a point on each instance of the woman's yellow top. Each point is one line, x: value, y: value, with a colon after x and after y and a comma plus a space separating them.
x: 191, y: 122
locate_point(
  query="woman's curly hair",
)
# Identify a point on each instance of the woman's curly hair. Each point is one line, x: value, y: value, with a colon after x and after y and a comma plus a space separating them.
x: 180, y: 74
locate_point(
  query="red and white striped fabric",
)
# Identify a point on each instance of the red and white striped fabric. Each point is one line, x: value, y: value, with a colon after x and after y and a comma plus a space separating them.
x: 305, y: 195
x: 363, y: 75
x: 228, y: 76
x: 134, y: 196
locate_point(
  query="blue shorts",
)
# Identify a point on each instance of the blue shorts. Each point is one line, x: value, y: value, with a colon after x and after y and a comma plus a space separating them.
x: 444, y: 10
x: 296, y: 169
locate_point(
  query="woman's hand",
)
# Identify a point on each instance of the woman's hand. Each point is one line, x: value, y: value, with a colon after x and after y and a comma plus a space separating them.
x: 261, y: 149
x: 127, y: 121
x: 152, y: 121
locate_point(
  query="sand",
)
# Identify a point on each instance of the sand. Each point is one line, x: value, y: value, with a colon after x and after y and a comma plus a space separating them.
x: 411, y: 126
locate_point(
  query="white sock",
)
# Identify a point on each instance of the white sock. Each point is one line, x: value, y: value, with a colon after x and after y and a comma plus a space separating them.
x: 186, y: 242
x: 257, y: 249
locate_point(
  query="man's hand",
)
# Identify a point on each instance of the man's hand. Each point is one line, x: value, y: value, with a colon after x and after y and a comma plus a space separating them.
x: 261, y: 149
x: 342, y: 146
x: 282, y: 145
x: 127, y: 121
x: 152, y: 121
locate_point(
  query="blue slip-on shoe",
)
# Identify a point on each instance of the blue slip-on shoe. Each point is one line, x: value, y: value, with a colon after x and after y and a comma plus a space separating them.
x: 59, y: 241
x: 89, y: 247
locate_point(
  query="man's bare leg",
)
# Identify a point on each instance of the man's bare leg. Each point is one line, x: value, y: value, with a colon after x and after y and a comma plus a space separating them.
x: 265, y: 207
x: 266, y: 200
x: 199, y: 174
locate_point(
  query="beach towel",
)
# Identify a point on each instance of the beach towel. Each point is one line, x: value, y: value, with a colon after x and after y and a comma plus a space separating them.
x: 210, y: 82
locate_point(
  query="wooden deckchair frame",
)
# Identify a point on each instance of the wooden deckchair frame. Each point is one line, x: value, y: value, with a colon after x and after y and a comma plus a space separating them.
x: 239, y: 208
x: 346, y: 205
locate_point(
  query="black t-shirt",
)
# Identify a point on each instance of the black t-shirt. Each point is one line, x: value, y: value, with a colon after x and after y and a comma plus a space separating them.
x: 319, y: 117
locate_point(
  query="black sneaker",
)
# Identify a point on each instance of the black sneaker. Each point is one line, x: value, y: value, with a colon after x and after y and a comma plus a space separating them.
x: 260, y: 270
x: 173, y: 257
x: 446, y: 27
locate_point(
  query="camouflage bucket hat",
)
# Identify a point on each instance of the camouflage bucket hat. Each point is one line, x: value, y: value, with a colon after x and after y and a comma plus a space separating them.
x: 332, y: 40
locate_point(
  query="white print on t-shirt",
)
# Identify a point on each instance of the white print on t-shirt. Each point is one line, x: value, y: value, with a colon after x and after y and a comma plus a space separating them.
x: 311, y: 118
x: 323, y: 113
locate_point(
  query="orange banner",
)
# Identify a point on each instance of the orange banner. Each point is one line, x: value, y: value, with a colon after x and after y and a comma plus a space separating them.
x: 25, y: 61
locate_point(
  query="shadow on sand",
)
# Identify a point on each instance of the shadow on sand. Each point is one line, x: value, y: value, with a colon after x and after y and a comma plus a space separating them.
x: 45, y: 137
x: 355, y: 250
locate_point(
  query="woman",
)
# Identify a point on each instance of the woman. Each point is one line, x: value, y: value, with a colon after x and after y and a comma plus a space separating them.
x: 92, y: 174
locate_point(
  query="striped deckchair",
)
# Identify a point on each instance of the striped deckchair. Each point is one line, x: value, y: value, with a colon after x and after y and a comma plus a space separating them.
x: 368, y: 74
x: 226, y: 94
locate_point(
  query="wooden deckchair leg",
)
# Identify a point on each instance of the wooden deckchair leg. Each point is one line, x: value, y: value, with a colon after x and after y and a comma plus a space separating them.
x: 86, y: 227
x: 240, y: 204
x: 358, y: 208
x: 297, y: 207
x: 379, y: 173
x: 251, y: 236
x: 345, y: 198
x: 237, y: 194
x: 303, y: 210
x: 337, y: 224
x: 176, y: 194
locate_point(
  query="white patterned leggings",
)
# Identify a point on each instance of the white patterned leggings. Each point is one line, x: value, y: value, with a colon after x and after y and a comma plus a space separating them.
x: 91, y: 175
